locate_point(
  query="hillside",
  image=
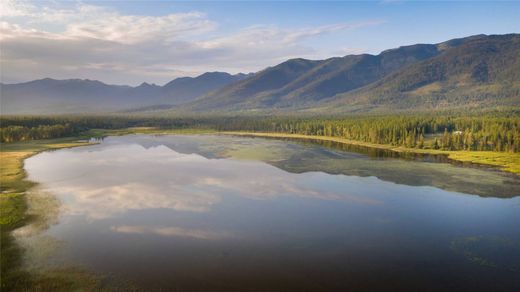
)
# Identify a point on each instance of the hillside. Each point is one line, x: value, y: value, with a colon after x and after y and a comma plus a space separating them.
x: 299, y: 82
x: 482, y: 72
x: 469, y: 72
x: 185, y: 89
x: 263, y: 82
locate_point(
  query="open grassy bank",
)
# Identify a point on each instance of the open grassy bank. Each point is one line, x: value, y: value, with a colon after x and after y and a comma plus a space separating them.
x: 13, y: 206
x: 506, y: 161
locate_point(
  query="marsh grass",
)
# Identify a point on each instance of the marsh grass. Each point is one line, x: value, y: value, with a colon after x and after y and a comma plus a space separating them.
x: 489, y: 251
x: 14, y: 214
x: 504, y: 160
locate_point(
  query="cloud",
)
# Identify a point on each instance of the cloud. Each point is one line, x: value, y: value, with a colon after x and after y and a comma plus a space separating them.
x: 12, y: 8
x: 29, y: 13
x: 138, y: 29
x: 297, y: 35
x: 87, y: 41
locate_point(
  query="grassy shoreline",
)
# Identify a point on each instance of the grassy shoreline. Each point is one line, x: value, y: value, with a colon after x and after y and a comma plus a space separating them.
x: 13, y: 206
x: 13, y: 183
x: 509, y: 162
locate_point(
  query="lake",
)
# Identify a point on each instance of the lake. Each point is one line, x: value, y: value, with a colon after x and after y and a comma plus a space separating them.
x: 215, y: 212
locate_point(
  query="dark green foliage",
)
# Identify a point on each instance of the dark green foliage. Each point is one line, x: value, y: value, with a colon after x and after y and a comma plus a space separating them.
x: 21, y: 133
x: 459, y: 133
x: 495, y: 132
x: 482, y: 71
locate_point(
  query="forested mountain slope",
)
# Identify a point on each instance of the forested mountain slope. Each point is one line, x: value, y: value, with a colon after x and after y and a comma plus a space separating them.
x: 298, y: 82
x: 484, y: 71
x: 475, y: 71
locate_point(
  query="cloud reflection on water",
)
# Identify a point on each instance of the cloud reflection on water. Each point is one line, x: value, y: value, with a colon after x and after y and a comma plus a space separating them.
x: 168, y: 231
x: 110, y: 180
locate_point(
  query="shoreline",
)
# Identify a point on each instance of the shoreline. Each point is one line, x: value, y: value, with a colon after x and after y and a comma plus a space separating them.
x: 504, y: 161
x: 14, y: 206
x: 14, y: 186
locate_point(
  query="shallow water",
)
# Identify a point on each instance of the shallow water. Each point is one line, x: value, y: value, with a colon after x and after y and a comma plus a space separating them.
x: 233, y: 213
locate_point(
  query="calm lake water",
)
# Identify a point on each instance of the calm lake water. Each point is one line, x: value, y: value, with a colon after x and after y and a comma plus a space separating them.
x: 208, y: 212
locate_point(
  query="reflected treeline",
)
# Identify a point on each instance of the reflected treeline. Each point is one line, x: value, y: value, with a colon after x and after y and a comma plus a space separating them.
x: 399, y: 167
x: 403, y: 168
x: 374, y: 152
x: 383, y: 153
x: 300, y: 156
x: 378, y: 153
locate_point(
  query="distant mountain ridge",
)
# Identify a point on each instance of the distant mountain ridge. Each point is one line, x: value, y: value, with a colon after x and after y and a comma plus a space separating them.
x: 83, y: 95
x: 300, y: 81
x: 473, y: 72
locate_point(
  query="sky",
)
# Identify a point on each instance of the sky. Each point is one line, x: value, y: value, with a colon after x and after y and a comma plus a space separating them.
x: 130, y: 42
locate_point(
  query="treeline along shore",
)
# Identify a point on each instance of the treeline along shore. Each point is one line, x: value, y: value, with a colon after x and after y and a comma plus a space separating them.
x: 488, y: 132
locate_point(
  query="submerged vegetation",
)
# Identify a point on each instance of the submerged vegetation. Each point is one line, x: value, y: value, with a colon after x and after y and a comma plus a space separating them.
x: 490, y: 251
x: 13, y: 206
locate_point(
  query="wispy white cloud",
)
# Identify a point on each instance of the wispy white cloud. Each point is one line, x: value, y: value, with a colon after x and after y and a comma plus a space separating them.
x: 136, y: 29
x: 87, y: 41
x: 12, y: 8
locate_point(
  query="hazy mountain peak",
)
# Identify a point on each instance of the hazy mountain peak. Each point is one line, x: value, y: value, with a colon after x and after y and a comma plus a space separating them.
x: 49, y: 95
x: 148, y: 85
x: 215, y: 73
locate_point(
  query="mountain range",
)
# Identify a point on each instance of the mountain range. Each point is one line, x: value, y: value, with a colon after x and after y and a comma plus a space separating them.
x: 48, y: 96
x: 473, y: 72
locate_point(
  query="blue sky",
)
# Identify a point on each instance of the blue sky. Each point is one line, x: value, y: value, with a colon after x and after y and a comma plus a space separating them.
x: 404, y: 22
x: 128, y: 42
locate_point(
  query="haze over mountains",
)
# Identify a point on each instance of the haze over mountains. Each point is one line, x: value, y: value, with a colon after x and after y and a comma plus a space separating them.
x: 78, y: 96
x: 477, y: 71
